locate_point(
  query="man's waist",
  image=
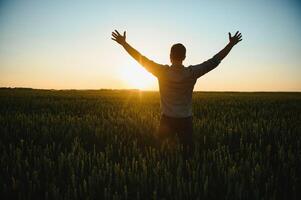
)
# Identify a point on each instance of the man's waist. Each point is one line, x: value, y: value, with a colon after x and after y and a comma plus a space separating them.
x: 176, y: 117
x: 177, y: 111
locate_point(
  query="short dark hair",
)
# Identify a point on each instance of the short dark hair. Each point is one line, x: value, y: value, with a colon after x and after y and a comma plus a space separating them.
x: 178, y: 52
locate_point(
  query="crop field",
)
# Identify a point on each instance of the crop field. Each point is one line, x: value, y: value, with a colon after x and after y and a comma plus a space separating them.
x: 100, y: 144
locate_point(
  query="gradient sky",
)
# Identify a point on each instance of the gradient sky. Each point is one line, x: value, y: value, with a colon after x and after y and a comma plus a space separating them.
x: 64, y: 44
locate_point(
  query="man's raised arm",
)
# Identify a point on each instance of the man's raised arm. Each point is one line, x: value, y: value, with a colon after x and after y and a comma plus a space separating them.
x: 203, y: 68
x: 150, y: 65
x: 232, y: 41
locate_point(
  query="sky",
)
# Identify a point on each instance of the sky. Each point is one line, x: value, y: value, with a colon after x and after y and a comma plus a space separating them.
x: 65, y: 44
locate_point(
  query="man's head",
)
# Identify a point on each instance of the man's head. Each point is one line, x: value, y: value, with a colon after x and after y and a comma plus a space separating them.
x: 177, y: 53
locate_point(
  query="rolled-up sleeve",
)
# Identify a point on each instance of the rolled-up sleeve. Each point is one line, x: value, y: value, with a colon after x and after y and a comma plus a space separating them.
x: 201, y: 69
x: 151, y: 66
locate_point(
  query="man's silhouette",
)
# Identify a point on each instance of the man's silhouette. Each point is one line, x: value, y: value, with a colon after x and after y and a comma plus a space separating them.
x: 176, y: 84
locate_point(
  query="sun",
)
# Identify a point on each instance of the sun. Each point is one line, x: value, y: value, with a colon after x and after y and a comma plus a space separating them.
x: 138, y: 78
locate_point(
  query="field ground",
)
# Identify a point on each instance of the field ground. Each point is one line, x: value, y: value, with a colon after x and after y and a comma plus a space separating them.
x: 99, y: 144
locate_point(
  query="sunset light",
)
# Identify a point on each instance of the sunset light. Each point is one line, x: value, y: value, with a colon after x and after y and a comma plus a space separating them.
x: 137, y: 78
x: 67, y: 44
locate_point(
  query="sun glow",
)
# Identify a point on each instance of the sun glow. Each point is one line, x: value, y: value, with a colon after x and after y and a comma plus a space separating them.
x: 138, y: 78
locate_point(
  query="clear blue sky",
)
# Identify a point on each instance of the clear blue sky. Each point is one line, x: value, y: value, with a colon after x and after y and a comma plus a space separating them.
x: 66, y: 43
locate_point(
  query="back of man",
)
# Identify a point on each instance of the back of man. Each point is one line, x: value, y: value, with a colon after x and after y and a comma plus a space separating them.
x: 176, y: 84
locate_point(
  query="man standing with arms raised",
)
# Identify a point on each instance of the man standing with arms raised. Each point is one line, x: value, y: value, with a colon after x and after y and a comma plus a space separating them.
x: 176, y: 84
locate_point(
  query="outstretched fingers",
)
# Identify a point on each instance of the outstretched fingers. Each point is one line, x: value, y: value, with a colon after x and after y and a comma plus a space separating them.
x: 239, y: 37
x: 117, y: 32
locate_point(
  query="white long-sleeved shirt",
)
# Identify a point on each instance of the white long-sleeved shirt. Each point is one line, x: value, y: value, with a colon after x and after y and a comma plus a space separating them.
x: 176, y: 84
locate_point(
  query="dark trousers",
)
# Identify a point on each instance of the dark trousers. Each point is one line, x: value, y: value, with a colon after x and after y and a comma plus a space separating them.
x: 182, y: 128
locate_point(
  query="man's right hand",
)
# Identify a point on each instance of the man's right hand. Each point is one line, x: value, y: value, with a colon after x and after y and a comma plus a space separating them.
x: 233, y: 40
x: 116, y: 36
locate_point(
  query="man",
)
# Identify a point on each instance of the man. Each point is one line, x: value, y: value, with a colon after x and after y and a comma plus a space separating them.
x: 176, y: 84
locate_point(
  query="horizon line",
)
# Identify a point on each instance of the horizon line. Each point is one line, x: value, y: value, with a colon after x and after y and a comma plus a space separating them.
x: 142, y: 90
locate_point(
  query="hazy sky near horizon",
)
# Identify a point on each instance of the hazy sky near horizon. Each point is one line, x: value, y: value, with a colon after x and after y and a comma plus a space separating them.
x: 64, y: 44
